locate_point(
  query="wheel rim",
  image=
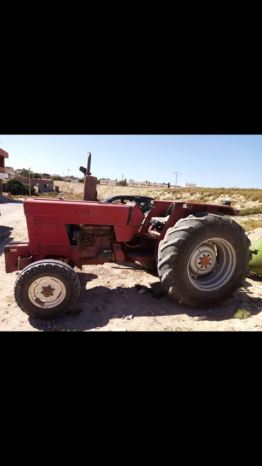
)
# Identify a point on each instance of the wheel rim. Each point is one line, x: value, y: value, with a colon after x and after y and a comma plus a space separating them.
x: 47, y: 292
x: 211, y: 264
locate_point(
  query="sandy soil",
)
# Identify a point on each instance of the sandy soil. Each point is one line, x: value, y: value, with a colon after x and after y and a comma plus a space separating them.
x: 112, y: 299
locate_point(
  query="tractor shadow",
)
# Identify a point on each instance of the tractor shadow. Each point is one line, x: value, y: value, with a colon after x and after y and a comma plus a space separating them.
x: 128, y: 266
x: 98, y: 305
x: 6, y: 200
x: 255, y: 276
x: 5, y: 238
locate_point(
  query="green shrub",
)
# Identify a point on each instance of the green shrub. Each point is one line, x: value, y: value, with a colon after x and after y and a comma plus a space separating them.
x: 250, y: 211
x: 27, y: 189
x: 122, y: 183
x: 249, y: 225
x: 24, y: 173
x: 14, y: 187
x: 51, y: 194
x: 242, y: 314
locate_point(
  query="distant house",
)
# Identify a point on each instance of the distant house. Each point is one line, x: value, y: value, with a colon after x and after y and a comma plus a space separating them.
x: 10, y: 172
x: 188, y: 185
x: 43, y: 185
x: 108, y: 183
x: 71, y: 178
x: 3, y: 155
x: 136, y: 184
x: 142, y: 184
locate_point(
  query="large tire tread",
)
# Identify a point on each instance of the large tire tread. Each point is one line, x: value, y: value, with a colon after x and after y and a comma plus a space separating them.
x: 42, y: 268
x: 179, y: 242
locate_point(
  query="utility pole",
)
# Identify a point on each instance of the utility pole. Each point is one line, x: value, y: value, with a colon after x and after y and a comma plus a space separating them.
x: 29, y: 182
x: 177, y: 173
x: 68, y: 172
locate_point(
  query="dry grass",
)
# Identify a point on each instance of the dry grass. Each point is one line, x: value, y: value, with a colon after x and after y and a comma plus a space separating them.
x: 250, y: 211
x: 249, y: 194
x: 249, y: 224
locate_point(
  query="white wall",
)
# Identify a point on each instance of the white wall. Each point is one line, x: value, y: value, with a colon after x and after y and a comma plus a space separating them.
x: 188, y: 185
x: 108, y: 183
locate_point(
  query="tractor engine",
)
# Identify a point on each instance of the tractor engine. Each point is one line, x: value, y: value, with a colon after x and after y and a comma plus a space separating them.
x: 92, y: 241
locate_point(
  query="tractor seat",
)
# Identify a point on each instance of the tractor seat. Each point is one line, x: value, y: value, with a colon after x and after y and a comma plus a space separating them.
x: 159, y: 220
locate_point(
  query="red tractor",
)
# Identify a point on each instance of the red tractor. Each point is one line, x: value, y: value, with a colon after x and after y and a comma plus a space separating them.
x: 201, y: 255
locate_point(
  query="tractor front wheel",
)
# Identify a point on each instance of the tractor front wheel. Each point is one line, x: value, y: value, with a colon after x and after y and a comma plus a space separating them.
x: 46, y: 288
x: 203, y: 259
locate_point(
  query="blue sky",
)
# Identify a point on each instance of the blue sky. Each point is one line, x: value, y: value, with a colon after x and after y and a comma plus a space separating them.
x: 207, y: 160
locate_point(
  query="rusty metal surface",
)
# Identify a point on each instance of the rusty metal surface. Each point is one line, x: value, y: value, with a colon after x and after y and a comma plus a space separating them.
x: 88, y: 172
x: 90, y: 188
x: 13, y: 251
x: 24, y: 261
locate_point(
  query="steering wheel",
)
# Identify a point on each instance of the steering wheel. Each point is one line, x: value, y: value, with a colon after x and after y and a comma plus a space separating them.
x: 143, y: 202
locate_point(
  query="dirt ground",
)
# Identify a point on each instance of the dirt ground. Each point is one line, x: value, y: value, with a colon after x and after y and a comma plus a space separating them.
x: 123, y: 297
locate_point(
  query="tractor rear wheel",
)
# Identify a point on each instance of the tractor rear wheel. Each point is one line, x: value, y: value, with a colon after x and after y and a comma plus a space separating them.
x: 203, y: 259
x: 46, y: 288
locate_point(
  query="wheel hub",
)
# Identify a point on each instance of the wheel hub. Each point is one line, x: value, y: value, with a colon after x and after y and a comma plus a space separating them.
x: 47, y: 292
x: 214, y: 255
x: 203, y: 259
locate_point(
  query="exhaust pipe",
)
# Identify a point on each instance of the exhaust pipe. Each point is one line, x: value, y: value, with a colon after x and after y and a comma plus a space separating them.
x: 86, y: 171
x: 90, y: 193
x: 89, y: 163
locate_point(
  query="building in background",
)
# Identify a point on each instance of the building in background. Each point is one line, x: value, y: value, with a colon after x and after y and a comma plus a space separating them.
x: 135, y: 184
x: 3, y: 155
x: 10, y: 172
x: 188, y: 185
x: 142, y: 184
x: 42, y: 185
x: 71, y: 178
x: 108, y: 183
